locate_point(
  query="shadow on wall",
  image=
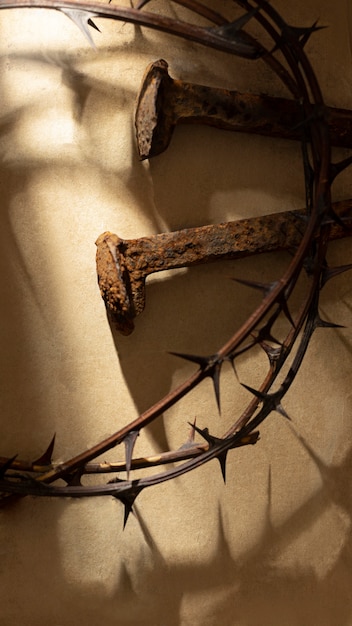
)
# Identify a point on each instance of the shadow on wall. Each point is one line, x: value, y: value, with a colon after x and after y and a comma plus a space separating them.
x: 151, y: 590
x: 251, y: 590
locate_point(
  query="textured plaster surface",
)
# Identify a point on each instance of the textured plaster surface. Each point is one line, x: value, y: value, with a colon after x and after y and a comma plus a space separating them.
x: 274, y: 546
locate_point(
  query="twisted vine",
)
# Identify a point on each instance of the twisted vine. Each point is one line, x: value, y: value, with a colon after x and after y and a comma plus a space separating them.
x: 287, y: 59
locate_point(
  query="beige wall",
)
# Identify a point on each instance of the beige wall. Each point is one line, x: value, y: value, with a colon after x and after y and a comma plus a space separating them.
x: 274, y: 546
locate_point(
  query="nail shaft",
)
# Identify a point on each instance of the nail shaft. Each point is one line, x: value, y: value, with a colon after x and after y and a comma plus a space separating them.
x: 123, y: 265
x: 164, y: 102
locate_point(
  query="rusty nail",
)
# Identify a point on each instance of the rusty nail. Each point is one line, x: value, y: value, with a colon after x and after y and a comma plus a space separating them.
x: 123, y: 265
x: 164, y: 102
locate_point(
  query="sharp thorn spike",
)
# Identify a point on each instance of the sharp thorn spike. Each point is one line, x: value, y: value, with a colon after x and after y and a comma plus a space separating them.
x: 280, y: 409
x: 264, y: 334
x: 222, y: 458
x: 330, y: 272
x: 204, y: 432
x: 216, y: 383
x: 320, y: 323
x: 286, y: 311
x: 303, y: 33
x: 231, y: 359
x: 6, y: 465
x: 46, y: 458
x: 127, y: 511
x: 192, y: 432
x: 337, y: 168
x: 210, y: 365
x: 273, y: 400
x: 232, y: 29
x: 129, y: 442
x: 212, y: 441
x: 259, y: 394
x: 128, y: 502
x: 74, y: 479
x: 93, y: 25
x: 272, y: 353
x: 190, y: 442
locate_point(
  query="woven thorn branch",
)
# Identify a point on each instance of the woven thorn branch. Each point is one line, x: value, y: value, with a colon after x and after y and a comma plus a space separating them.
x: 287, y: 59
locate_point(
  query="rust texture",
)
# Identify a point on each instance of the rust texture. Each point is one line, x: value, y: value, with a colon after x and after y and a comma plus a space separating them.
x: 124, y: 264
x: 164, y: 102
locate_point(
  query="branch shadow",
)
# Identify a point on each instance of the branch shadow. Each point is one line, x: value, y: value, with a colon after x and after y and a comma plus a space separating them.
x: 151, y: 591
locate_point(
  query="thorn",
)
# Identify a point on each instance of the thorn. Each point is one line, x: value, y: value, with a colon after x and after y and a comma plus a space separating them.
x: 265, y: 335
x: 213, y: 441
x: 129, y: 442
x: 229, y: 31
x: 331, y: 272
x: 286, y: 311
x: 320, y: 323
x: 82, y: 19
x: 192, y: 432
x: 272, y: 400
x: 215, y: 376
x: 272, y: 353
x: 128, y: 502
x: 337, y: 168
x: 74, y: 479
x: 46, y: 459
x: 6, y: 465
x: 280, y: 409
x: 231, y: 359
x: 303, y: 33
x: 266, y: 288
x: 222, y: 458
x: 259, y: 394
x: 93, y: 25
x: 204, y: 432
x: 189, y: 443
x: 211, y: 364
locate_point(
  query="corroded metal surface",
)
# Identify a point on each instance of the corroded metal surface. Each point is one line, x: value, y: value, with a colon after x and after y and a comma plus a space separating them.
x: 282, y: 50
x: 164, y: 102
x: 123, y: 265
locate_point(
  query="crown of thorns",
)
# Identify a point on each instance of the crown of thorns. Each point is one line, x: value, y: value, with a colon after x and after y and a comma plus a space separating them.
x: 284, y: 53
